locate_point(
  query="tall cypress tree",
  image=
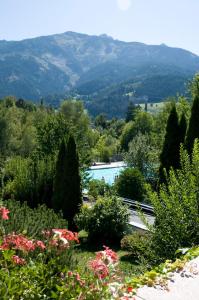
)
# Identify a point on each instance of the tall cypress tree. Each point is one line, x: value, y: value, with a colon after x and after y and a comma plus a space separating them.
x: 131, y: 112
x: 193, y: 128
x: 67, y: 184
x: 170, y: 156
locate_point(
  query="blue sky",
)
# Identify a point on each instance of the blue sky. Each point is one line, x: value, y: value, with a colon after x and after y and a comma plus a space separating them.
x: 173, y: 22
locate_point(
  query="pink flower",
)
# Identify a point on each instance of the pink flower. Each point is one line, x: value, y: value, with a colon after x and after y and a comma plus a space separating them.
x: 111, y: 254
x: 17, y: 241
x: 17, y: 260
x: 108, y: 256
x: 66, y: 234
x: 4, y: 213
x: 70, y: 273
x: 40, y: 245
x: 99, y: 268
x: 62, y: 238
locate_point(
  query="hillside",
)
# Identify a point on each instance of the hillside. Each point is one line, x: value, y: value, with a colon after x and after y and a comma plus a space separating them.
x: 99, y: 69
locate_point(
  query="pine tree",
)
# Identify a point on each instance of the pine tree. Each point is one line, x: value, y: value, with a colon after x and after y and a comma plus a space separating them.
x: 67, y: 183
x: 131, y: 112
x: 193, y: 128
x: 170, y: 156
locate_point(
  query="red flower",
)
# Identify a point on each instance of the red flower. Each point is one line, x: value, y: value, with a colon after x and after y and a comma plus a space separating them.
x: 40, y: 245
x: 17, y: 260
x: 130, y: 289
x: 19, y: 242
x: 66, y: 234
x: 111, y: 254
x: 4, y: 213
x: 108, y: 256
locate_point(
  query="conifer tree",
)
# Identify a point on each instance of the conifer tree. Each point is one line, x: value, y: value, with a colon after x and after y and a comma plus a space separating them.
x: 131, y: 112
x: 67, y: 183
x: 170, y: 156
x: 193, y: 128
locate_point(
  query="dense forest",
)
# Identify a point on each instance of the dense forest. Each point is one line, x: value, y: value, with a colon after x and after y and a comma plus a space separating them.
x: 31, y: 136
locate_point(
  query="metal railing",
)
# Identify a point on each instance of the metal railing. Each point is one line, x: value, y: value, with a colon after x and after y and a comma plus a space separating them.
x: 148, y: 209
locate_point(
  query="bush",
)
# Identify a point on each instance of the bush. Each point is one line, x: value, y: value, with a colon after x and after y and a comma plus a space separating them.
x: 31, y: 221
x: 176, y: 208
x: 106, y: 221
x: 98, y: 188
x: 130, y: 184
x: 29, y: 179
x: 137, y: 244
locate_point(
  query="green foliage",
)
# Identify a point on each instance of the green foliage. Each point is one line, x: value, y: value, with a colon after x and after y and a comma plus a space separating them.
x: 193, y: 129
x: 17, y: 129
x: 101, y: 121
x: 182, y: 128
x: 176, y: 208
x: 131, y: 112
x: 67, y: 184
x: 98, y: 188
x: 194, y: 86
x: 137, y: 244
x: 106, y: 220
x: 128, y: 134
x: 50, y: 132
x: 45, y: 281
x: 143, y: 124
x: 29, y: 179
x: 170, y: 155
x: 78, y: 123
x: 142, y: 155
x: 130, y: 184
x: 29, y: 221
x: 105, y: 148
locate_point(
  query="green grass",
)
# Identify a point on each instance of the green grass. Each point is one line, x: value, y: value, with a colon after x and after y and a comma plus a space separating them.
x: 126, y: 263
x: 86, y: 251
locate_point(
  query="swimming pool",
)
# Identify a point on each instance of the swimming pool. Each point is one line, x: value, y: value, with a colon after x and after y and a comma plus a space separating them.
x: 108, y: 174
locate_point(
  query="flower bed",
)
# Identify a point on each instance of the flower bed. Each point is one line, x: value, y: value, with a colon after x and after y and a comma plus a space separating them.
x: 42, y: 269
x: 34, y: 269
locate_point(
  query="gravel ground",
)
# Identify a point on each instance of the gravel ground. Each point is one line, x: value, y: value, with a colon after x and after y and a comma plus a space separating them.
x: 184, y: 286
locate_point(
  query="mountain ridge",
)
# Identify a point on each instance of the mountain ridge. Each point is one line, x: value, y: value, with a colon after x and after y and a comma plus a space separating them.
x: 70, y: 62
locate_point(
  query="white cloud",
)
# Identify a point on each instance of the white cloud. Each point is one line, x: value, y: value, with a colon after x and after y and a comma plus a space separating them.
x: 124, y: 4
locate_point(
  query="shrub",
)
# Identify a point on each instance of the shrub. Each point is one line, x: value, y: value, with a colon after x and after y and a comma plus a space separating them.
x: 31, y: 221
x: 137, y: 244
x: 176, y: 208
x: 29, y: 179
x: 105, y: 221
x: 130, y: 184
x: 98, y: 188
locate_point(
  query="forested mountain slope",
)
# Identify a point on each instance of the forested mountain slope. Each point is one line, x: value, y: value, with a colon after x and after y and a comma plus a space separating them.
x: 92, y: 68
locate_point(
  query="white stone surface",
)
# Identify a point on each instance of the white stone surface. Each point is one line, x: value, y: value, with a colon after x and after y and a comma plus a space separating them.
x: 108, y: 166
x: 183, y: 288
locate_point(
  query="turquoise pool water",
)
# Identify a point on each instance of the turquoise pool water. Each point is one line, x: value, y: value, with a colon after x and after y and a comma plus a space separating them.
x: 108, y: 174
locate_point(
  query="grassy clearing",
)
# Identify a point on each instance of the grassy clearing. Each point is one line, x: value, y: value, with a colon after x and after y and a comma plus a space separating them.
x: 153, y: 107
x: 126, y: 263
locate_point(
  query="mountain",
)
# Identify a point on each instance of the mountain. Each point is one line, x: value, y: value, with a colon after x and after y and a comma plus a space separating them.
x: 103, y: 71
